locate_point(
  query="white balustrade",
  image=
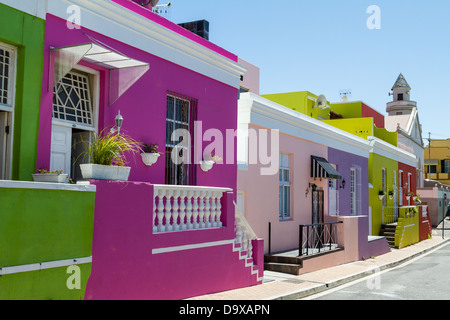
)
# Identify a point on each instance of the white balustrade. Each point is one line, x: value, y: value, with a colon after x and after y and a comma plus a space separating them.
x: 179, y: 208
x: 244, y: 232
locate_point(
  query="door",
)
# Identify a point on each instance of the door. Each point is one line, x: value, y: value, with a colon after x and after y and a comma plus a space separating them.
x: 5, y: 145
x: 333, y: 198
x: 61, y: 147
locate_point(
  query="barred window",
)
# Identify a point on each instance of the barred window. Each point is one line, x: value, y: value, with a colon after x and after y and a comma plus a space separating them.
x: 72, y: 99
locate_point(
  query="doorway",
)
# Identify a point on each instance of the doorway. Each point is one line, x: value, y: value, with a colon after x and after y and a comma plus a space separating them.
x: 75, y: 114
x: 5, y: 145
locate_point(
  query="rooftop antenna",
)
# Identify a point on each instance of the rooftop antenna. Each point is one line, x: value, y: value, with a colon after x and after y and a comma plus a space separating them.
x: 162, y: 9
x: 345, y: 94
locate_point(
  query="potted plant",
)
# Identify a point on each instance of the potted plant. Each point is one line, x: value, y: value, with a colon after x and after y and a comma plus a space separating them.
x: 150, y: 154
x: 43, y: 175
x: 107, y: 156
x: 381, y: 194
x: 391, y: 194
x: 417, y: 200
x: 209, y: 161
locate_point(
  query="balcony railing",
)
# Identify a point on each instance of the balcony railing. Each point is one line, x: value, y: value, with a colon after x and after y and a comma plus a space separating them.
x: 179, y: 208
x: 317, y: 238
x: 391, y: 214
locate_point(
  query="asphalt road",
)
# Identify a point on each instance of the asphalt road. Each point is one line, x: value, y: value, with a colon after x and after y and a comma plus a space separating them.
x: 424, y: 278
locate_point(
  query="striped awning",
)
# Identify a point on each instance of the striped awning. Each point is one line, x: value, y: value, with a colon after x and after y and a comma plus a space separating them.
x: 321, y: 168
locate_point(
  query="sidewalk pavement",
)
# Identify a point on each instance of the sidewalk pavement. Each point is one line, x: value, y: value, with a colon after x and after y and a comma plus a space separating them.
x: 279, y: 286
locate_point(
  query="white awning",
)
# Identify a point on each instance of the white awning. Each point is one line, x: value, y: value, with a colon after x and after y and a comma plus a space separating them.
x: 124, y: 71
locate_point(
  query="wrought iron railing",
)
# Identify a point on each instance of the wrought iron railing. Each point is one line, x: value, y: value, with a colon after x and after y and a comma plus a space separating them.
x: 317, y: 238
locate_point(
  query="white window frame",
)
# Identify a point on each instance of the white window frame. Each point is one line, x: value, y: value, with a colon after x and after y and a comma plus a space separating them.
x: 94, y: 77
x: 285, y: 187
x: 9, y: 108
x: 400, y: 189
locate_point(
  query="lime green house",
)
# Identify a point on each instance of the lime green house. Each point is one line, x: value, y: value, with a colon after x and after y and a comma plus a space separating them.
x: 301, y: 101
x: 21, y: 62
x: 46, y: 229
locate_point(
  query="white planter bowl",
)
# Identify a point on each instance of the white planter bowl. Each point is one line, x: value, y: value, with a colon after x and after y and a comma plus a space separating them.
x: 206, y: 165
x: 101, y: 172
x: 149, y: 158
x: 50, y: 177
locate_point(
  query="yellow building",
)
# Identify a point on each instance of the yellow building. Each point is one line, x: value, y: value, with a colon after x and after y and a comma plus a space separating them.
x: 437, y: 161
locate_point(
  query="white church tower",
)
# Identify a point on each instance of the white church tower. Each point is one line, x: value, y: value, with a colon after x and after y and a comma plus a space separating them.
x: 401, y: 104
x: 404, y: 118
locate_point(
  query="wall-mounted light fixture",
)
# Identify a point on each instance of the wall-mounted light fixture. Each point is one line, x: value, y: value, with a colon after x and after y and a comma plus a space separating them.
x: 342, y: 184
x: 119, y: 121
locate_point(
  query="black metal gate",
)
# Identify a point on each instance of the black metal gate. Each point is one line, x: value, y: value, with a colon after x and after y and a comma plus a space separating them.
x: 317, y: 217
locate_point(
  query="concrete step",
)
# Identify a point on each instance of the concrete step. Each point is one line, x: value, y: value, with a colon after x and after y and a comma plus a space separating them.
x: 283, y: 267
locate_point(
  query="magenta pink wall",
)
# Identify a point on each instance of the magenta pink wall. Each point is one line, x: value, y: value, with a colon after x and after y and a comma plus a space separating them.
x: 143, y: 106
x: 123, y: 266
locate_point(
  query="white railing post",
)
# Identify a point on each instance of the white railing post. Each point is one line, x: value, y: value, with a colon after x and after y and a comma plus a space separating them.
x: 201, y: 212
x: 160, y: 213
x: 207, y: 209
x: 183, y: 197
x: 175, y: 213
x: 195, y: 213
x: 189, y: 225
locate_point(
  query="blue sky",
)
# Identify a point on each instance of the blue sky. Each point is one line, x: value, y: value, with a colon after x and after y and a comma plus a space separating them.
x: 324, y: 46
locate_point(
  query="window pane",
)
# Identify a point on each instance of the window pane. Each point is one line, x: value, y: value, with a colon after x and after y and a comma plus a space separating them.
x: 281, y: 201
x: 170, y: 107
x: 287, y: 201
x: 286, y: 175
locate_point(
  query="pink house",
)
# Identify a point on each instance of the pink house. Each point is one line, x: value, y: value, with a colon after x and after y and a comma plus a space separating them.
x: 306, y: 191
x: 171, y: 231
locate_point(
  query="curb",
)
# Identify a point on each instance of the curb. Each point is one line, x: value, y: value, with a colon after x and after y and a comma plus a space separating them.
x: 344, y: 280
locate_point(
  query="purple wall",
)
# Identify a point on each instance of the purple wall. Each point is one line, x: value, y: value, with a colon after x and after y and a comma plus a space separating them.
x: 344, y: 162
x: 124, y: 267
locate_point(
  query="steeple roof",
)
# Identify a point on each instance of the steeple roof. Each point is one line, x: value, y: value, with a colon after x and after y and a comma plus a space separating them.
x: 401, y: 83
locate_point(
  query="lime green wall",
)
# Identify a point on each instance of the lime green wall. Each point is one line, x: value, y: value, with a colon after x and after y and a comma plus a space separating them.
x: 407, y: 230
x: 299, y: 102
x: 348, y: 109
x: 362, y: 127
x: 29, y: 285
x: 27, y: 34
x: 383, y: 134
x: 376, y: 163
x: 41, y: 226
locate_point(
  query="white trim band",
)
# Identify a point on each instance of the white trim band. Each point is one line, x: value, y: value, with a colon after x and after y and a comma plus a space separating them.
x: 9, y: 184
x: 193, y: 246
x: 44, y: 265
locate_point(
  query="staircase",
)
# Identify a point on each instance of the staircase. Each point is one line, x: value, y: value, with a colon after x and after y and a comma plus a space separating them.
x: 244, y: 255
x: 388, y: 231
x: 243, y: 243
x: 283, y: 264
